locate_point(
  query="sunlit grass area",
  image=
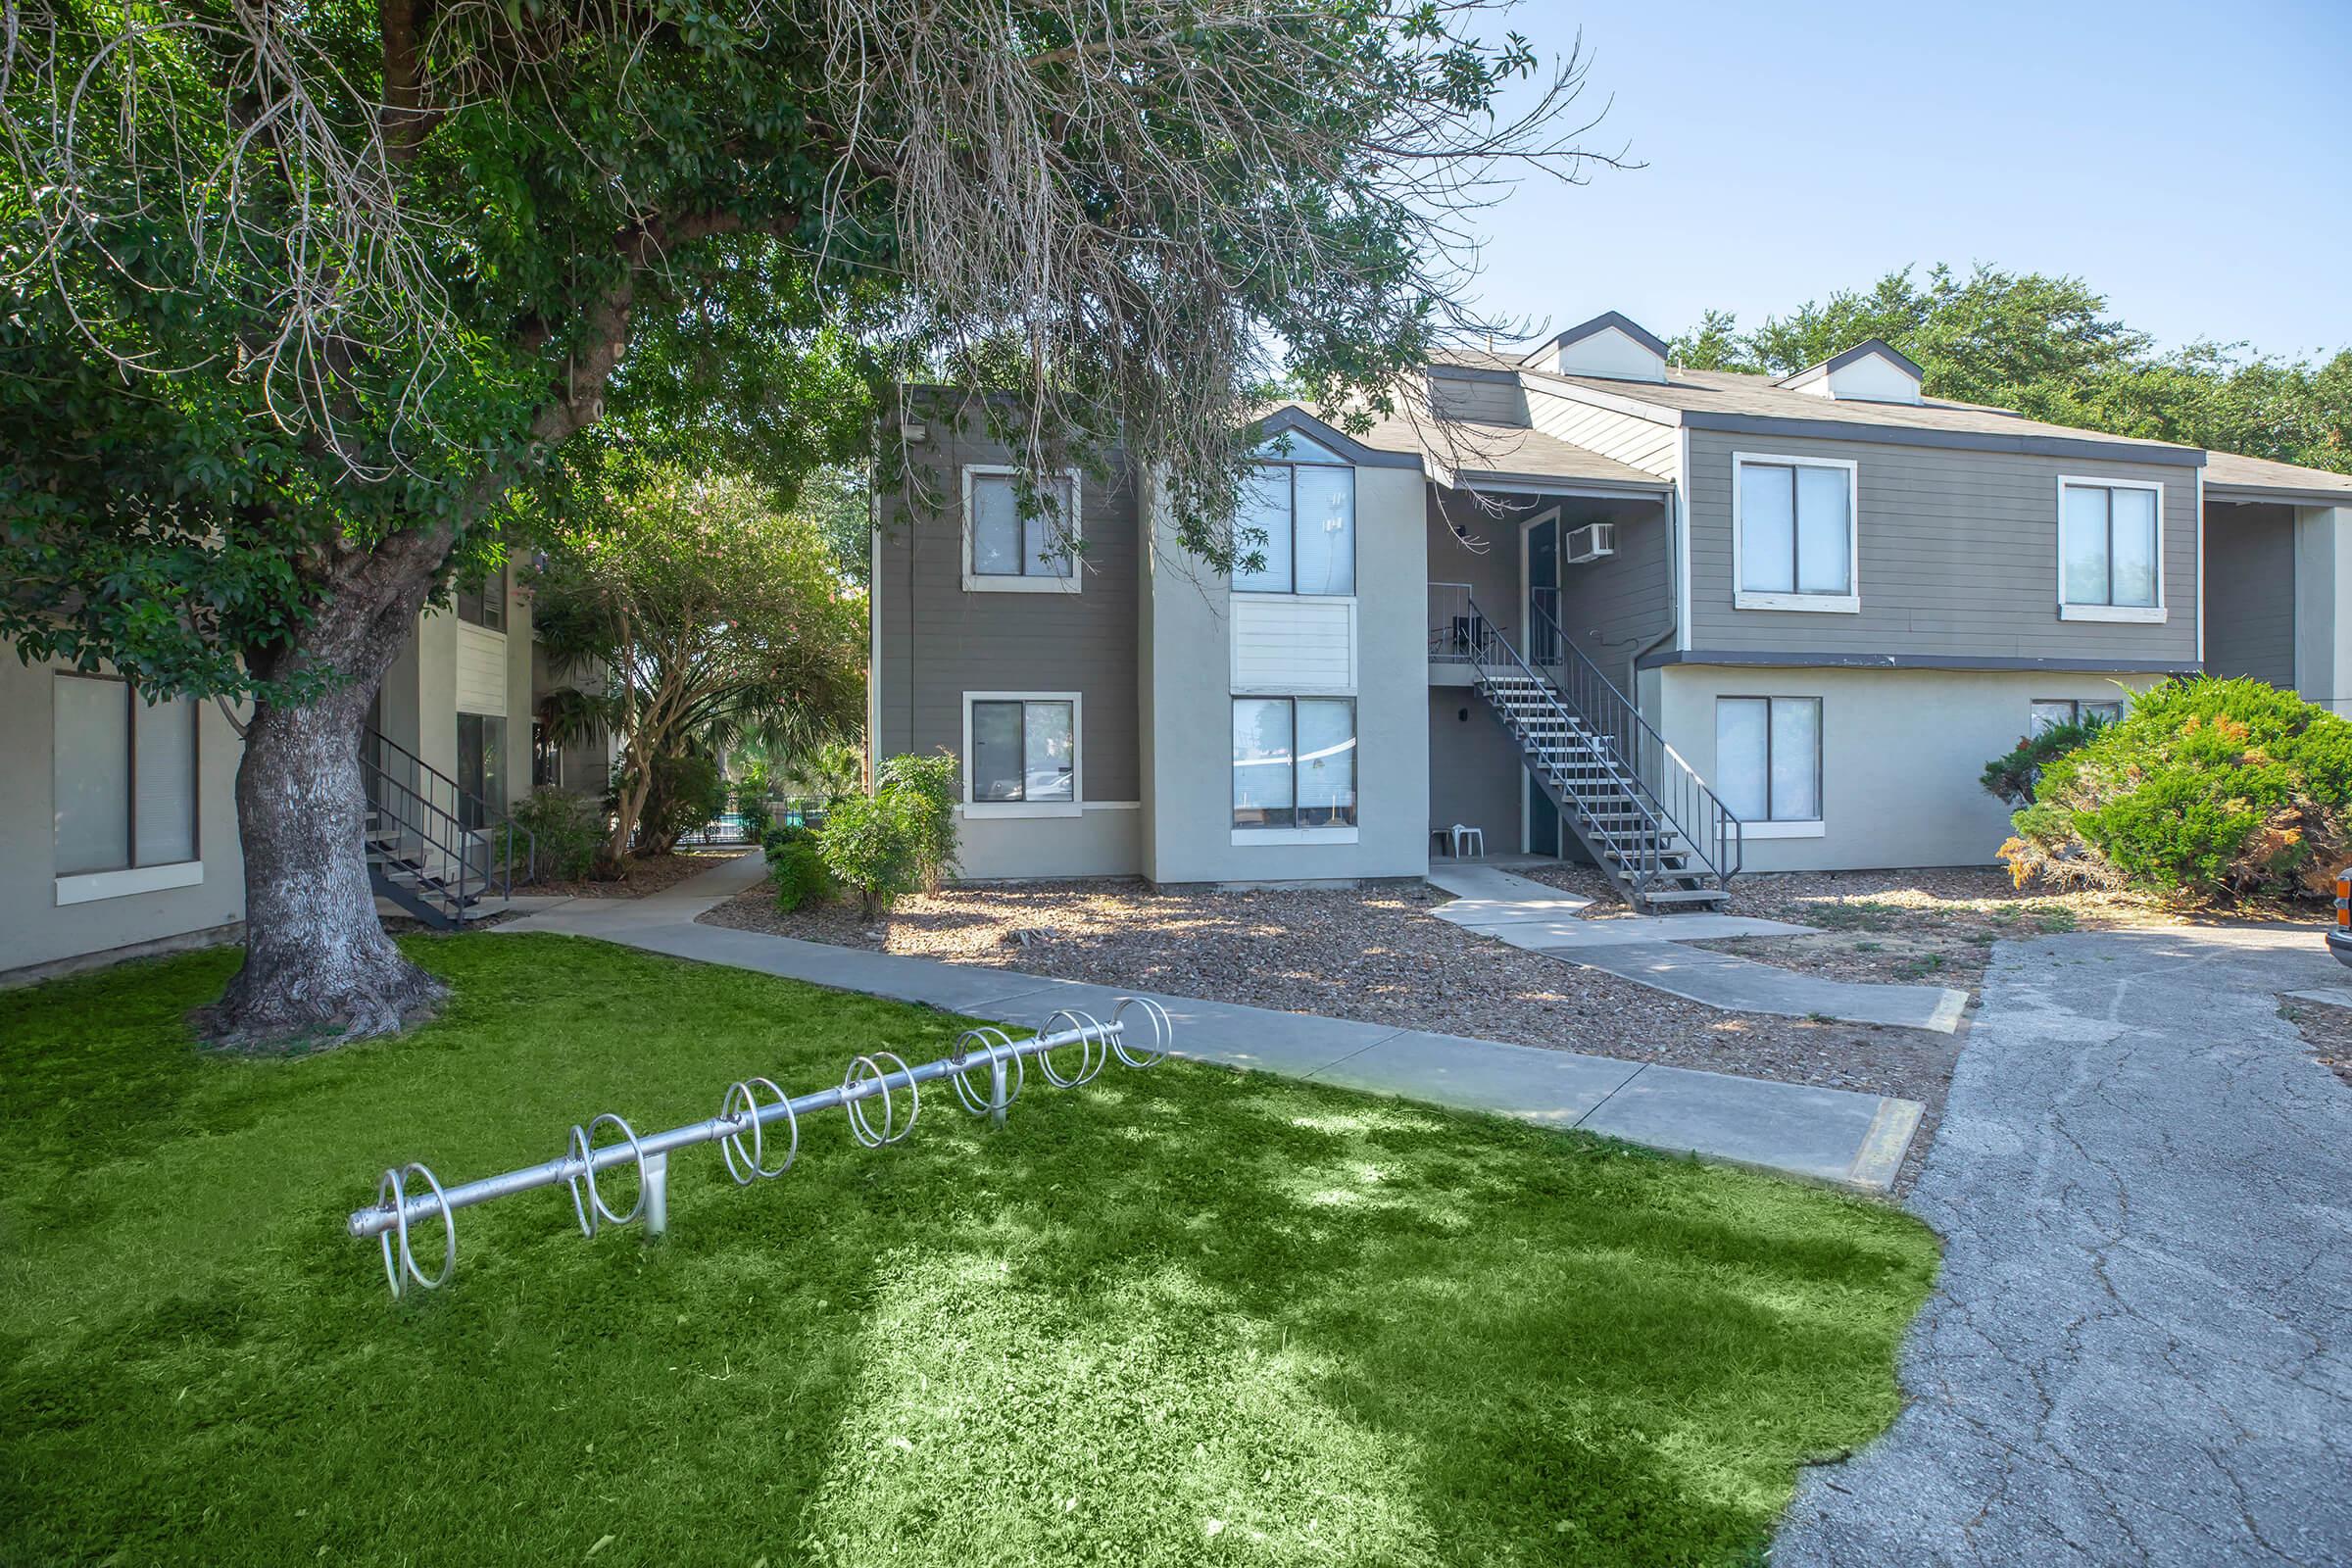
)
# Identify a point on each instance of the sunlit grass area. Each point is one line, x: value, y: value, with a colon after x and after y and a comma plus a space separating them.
x: 1181, y: 1316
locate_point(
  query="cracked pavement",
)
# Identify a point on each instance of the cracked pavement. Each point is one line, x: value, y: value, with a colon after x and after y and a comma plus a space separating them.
x: 2140, y: 1350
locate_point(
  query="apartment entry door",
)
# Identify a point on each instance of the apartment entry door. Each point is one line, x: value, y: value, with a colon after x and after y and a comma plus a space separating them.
x: 1540, y: 570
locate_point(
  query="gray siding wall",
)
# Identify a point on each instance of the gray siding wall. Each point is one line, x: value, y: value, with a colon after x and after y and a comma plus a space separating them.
x: 1637, y: 443
x: 1494, y: 574
x: 1959, y: 557
x: 1460, y: 396
x: 2250, y: 592
x: 938, y: 642
x: 1613, y: 606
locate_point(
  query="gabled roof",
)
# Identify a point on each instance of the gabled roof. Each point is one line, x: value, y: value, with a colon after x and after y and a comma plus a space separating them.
x: 1601, y: 324
x: 1469, y: 451
x: 2230, y: 476
x: 1862, y: 350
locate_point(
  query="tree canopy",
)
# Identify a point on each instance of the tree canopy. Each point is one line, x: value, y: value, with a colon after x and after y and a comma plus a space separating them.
x: 2050, y: 348
x: 706, y: 612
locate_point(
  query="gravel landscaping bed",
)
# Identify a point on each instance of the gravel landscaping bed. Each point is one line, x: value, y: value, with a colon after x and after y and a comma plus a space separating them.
x: 1375, y: 954
x: 2326, y: 1030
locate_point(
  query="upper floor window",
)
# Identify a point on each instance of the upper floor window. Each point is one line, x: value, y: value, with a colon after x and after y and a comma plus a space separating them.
x: 484, y: 604
x: 1005, y: 552
x: 1795, y: 533
x: 2110, y: 549
x: 125, y: 777
x: 1298, y: 517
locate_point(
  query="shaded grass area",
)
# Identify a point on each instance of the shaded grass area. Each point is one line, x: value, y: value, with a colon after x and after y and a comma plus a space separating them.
x: 1181, y: 1316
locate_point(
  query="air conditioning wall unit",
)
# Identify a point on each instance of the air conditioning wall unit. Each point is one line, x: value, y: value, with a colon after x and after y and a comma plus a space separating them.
x: 1592, y: 542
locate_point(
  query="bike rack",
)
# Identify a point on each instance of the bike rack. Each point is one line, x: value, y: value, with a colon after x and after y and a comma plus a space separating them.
x: 748, y: 1107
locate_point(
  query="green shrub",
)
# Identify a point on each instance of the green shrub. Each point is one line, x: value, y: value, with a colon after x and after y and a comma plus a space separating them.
x: 689, y: 793
x: 2012, y: 778
x: 568, y: 833
x: 797, y: 871
x: 899, y: 838
x: 2207, y: 789
x: 924, y: 790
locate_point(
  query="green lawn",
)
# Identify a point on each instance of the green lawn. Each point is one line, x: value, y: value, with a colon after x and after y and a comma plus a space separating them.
x: 1183, y: 1316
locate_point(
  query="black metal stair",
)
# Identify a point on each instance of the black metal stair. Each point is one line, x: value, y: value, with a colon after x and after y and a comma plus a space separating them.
x: 434, y: 849
x: 1656, y: 831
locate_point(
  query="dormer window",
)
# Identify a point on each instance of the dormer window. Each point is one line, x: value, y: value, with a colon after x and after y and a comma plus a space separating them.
x: 1871, y: 372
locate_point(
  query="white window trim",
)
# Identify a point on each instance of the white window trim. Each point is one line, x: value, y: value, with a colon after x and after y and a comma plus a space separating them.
x: 1845, y: 603
x: 1075, y: 805
x: 1813, y: 829
x: 88, y: 887
x: 994, y: 583
x: 2154, y: 614
x: 1296, y: 835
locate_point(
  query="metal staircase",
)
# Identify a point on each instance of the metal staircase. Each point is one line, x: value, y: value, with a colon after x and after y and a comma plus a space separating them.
x: 434, y: 848
x: 1650, y: 823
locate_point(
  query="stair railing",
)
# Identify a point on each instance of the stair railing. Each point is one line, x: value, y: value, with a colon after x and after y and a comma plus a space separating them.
x: 1639, y: 852
x: 1673, y: 786
x: 439, y: 812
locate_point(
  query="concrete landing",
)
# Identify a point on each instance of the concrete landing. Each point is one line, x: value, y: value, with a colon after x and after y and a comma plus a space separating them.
x: 1646, y: 949
x: 1825, y: 1135
x: 1741, y: 985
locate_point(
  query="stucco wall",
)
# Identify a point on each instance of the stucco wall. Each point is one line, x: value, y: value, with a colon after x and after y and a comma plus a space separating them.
x: 1474, y: 768
x: 2322, y: 589
x: 34, y: 929
x: 1189, y: 829
x: 1901, y: 754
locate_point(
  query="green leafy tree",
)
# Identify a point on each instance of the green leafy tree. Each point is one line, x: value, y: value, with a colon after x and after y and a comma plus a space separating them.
x: 701, y: 606
x: 2048, y: 348
x: 296, y: 296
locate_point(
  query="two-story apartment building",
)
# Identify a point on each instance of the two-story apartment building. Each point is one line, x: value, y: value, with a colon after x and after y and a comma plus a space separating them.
x: 1684, y: 622
x: 126, y: 836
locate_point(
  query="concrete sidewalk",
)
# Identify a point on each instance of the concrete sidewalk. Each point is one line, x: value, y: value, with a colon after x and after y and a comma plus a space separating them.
x: 1828, y: 1135
x: 1647, y: 950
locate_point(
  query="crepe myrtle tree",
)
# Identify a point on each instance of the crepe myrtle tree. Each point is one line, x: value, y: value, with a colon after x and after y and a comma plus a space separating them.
x: 297, y: 294
x: 705, y: 610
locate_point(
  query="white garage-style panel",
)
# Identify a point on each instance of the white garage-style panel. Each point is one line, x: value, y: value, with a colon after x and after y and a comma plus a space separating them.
x: 1285, y: 643
x: 482, y: 671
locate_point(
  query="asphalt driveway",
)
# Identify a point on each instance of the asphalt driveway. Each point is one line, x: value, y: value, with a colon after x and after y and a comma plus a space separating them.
x: 2140, y: 1350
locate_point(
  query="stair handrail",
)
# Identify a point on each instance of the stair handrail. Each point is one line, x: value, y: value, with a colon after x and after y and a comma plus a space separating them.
x: 1652, y: 842
x: 376, y: 744
x: 431, y: 827
x: 1672, y: 784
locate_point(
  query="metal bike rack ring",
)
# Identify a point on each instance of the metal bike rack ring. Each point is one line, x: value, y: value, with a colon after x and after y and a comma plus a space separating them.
x: 1163, y: 1032
x: 393, y: 1191
x: 741, y: 1105
x: 741, y: 1130
x: 1000, y: 1048
x: 855, y: 1094
x: 583, y: 1155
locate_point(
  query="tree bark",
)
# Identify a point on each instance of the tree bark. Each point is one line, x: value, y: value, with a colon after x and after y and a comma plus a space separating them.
x: 318, y: 961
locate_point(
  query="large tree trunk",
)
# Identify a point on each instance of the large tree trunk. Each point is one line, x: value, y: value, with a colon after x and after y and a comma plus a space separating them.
x: 317, y: 963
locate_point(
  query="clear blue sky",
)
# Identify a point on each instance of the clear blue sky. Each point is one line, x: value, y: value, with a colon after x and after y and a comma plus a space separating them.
x: 2194, y: 163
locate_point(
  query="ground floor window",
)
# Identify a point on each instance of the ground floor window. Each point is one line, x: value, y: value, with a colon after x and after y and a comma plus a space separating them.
x: 547, y: 758
x: 1023, y: 748
x: 481, y: 768
x: 1768, y: 758
x: 124, y: 775
x: 1294, y: 762
x: 2051, y: 711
